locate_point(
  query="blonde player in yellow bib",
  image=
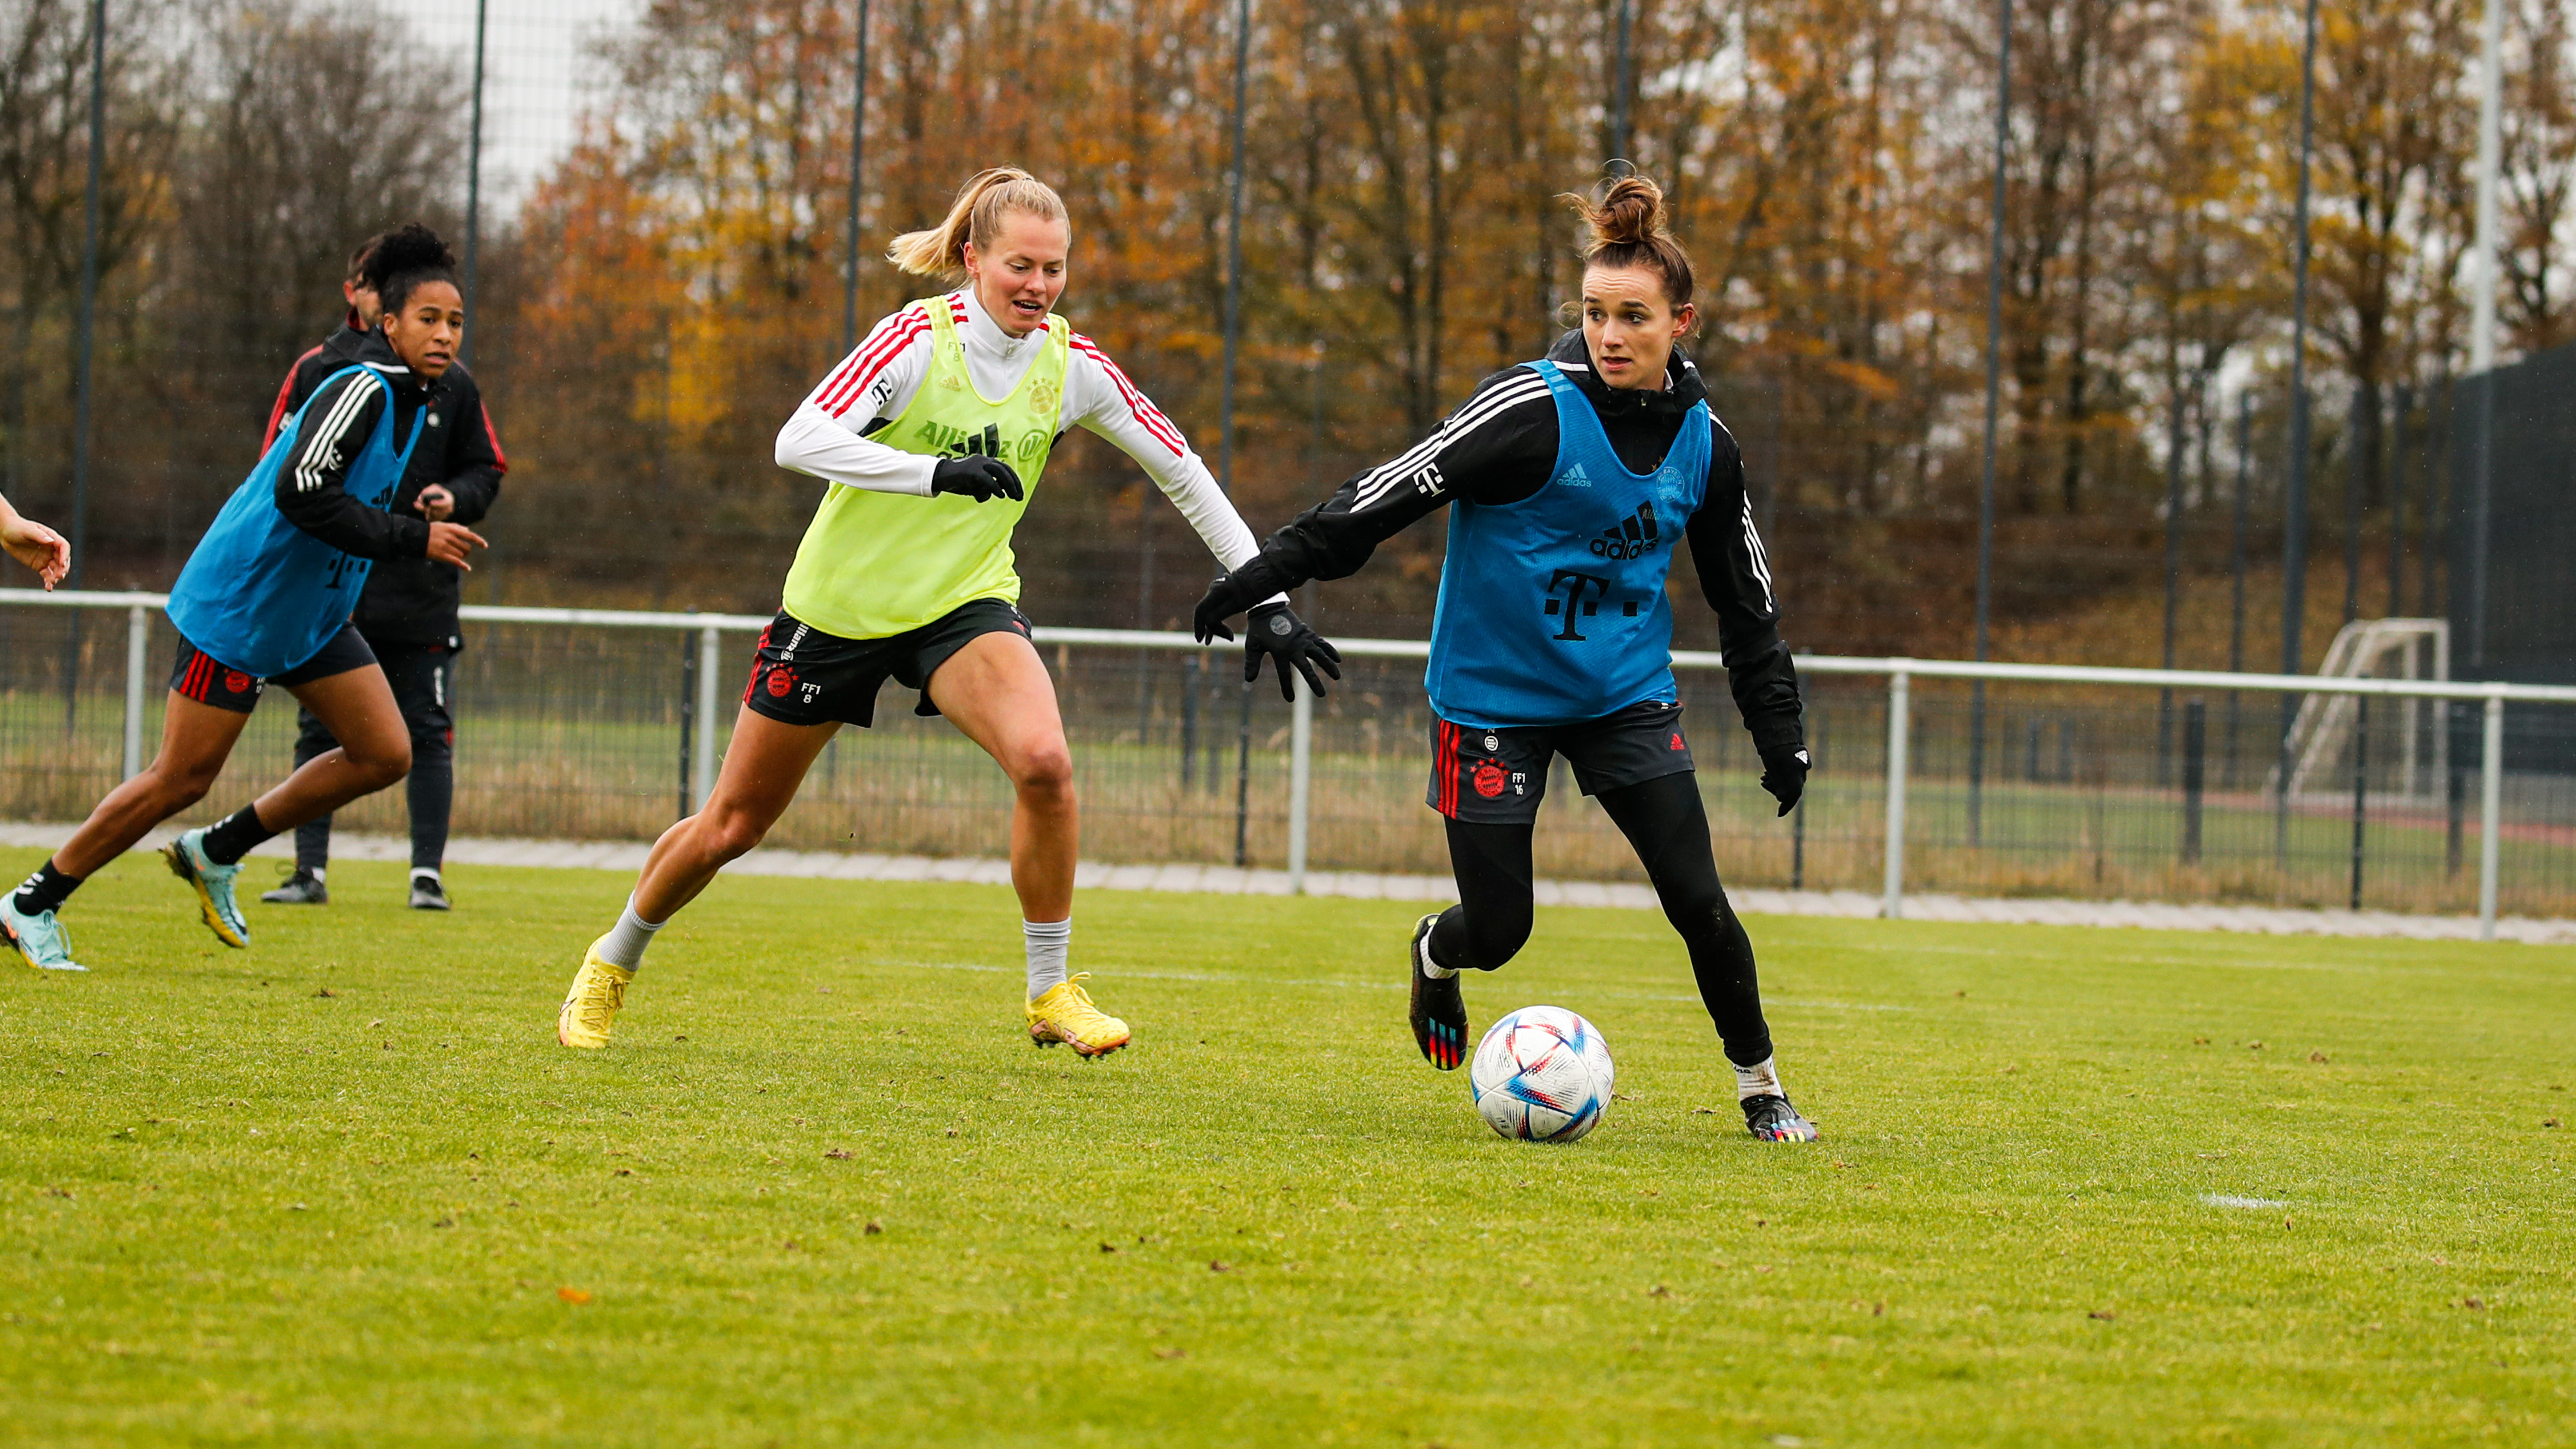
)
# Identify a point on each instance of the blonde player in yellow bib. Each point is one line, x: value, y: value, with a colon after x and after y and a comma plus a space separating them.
x: 932, y: 435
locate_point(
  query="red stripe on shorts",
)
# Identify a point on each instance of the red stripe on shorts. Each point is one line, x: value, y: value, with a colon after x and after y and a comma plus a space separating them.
x: 1448, y: 761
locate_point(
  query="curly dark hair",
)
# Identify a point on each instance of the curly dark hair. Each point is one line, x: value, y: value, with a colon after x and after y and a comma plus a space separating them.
x: 405, y: 258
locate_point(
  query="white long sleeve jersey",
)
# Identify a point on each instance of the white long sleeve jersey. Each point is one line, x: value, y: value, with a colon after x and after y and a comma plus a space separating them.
x: 827, y: 436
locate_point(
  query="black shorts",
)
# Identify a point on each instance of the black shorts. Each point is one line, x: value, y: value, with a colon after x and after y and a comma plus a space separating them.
x: 803, y: 676
x: 208, y: 680
x: 1498, y: 776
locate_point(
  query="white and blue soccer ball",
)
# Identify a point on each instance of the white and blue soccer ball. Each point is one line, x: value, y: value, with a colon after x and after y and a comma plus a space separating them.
x: 1542, y: 1074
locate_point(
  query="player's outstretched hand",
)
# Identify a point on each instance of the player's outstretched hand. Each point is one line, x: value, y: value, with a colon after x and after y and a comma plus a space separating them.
x: 1276, y: 629
x: 36, y: 546
x: 1784, y: 774
x: 450, y: 542
x: 1232, y: 594
x: 980, y: 478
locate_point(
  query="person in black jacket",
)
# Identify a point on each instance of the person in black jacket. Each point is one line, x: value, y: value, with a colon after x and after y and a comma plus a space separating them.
x: 1567, y: 479
x: 408, y: 611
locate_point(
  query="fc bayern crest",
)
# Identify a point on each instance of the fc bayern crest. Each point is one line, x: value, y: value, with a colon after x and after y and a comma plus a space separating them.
x: 1490, y: 779
x: 781, y: 680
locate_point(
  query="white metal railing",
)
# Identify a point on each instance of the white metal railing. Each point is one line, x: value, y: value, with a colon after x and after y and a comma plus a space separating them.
x: 1899, y: 673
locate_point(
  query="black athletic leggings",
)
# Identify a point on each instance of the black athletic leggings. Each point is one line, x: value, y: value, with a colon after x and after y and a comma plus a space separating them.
x: 1667, y: 825
x: 421, y: 676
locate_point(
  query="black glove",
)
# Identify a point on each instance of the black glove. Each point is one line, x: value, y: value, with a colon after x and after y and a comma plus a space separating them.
x: 1276, y: 629
x: 975, y: 476
x: 1784, y: 774
x: 1233, y: 593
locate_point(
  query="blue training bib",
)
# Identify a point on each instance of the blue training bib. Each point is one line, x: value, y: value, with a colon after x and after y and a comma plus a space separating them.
x: 1552, y: 609
x: 263, y: 596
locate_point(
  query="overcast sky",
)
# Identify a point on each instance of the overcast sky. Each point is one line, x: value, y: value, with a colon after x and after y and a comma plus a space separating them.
x: 537, y: 73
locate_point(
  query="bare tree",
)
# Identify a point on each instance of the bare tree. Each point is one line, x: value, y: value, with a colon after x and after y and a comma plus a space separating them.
x: 317, y: 126
x: 44, y: 159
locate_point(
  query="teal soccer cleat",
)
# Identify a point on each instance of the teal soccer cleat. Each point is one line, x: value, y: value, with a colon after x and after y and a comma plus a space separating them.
x: 213, y: 884
x: 41, y: 940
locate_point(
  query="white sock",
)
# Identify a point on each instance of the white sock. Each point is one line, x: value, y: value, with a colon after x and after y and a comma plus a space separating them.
x: 1762, y: 1079
x: 1049, y: 942
x: 417, y: 872
x: 1431, y: 970
x: 316, y: 873
x: 625, y: 942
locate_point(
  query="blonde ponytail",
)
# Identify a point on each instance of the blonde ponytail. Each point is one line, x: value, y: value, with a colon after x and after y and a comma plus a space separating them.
x: 982, y: 202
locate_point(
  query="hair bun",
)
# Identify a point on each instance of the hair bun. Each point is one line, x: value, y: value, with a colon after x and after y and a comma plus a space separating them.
x: 410, y: 247
x: 1632, y: 212
x: 1626, y: 228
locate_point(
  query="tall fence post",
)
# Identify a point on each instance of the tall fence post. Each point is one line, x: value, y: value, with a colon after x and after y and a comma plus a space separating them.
x: 1899, y: 692
x: 2195, y: 775
x: 138, y: 645
x: 1301, y: 772
x: 702, y: 775
x: 2490, y: 816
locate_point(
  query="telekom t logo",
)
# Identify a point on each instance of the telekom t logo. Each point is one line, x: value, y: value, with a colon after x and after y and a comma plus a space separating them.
x: 1575, y: 606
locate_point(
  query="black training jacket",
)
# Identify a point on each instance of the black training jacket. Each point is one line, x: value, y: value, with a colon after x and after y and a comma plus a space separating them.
x: 311, y: 488
x: 413, y: 600
x: 1499, y: 447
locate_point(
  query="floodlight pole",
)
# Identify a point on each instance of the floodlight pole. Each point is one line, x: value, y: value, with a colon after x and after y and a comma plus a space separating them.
x: 1619, y: 85
x: 2173, y: 558
x: 474, y: 176
x: 1994, y: 403
x: 82, y: 387
x: 2294, y: 539
x: 858, y: 152
x: 2482, y: 323
x: 1225, y: 413
x: 2236, y: 571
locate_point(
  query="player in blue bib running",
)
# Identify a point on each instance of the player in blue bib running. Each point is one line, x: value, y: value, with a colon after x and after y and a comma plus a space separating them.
x: 1572, y: 479
x: 265, y: 599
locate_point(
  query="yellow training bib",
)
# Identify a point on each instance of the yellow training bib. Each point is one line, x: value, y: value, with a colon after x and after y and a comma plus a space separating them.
x: 874, y: 564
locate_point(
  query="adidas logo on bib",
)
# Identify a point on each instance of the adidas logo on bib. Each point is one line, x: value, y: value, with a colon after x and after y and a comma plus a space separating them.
x: 1634, y: 537
x: 1575, y: 477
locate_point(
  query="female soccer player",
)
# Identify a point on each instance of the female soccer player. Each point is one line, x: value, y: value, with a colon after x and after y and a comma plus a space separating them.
x: 931, y: 435
x: 407, y: 613
x: 265, y: 599
x: 1573, y: 477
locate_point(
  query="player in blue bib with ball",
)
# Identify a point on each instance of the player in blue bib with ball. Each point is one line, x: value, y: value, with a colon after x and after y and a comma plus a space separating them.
x: 266, y: 598
x: 1570, y: 481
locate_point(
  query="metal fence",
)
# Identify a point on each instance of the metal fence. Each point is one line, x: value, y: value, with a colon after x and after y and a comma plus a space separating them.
x: 2139, y: 784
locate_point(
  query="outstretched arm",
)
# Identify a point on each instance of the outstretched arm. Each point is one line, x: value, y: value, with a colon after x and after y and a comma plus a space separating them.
x: 1100, y: 397
x: 1498, y: 447
x: 33, y: 544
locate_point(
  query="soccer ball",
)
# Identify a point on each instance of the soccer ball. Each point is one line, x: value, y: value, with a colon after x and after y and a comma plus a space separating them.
x: 1542, y: 1074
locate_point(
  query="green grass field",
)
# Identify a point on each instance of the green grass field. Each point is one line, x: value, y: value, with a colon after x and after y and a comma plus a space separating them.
x: 344, y: 1187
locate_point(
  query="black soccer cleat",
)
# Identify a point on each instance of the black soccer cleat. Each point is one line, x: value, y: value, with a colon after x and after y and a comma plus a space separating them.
x: 1437, y: 1011
x: 303, y: 888
x: 427, y: 894
x: 1773, y: 1120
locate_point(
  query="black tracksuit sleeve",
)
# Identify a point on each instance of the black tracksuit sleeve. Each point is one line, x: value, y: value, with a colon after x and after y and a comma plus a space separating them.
x: 1498, y: 447
x: 1735, y: 577
x: 474, y: 462
x: 311, y: 486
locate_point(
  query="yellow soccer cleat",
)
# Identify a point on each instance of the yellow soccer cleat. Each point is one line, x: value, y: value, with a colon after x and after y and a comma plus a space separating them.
x: 1065, y: 1014
x: 591, y: 1007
